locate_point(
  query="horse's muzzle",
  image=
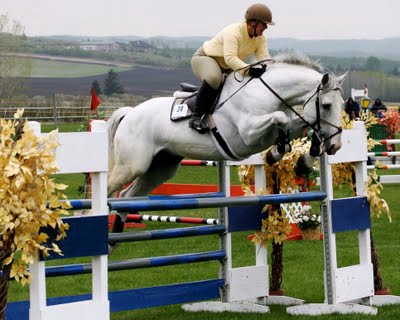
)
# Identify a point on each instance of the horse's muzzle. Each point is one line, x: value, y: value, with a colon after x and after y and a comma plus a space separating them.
x: 333, y: 148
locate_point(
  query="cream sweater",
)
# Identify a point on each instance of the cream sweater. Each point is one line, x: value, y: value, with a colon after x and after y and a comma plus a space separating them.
x: 233, y: 45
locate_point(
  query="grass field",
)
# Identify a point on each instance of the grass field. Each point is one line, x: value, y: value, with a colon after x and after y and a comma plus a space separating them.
x: 63, y: 69
x: 303, y: 260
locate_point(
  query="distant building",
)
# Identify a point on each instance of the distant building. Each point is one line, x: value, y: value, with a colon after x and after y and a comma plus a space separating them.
x: 358, y: 94
x: 97, y: 46
x: 141, y: 46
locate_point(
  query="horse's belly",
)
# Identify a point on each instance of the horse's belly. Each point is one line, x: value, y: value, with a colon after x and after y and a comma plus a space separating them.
x: 148, y: 129
x: 198, y: 151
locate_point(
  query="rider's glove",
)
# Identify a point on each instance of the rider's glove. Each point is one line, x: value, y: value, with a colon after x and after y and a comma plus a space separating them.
x: 256, y: 72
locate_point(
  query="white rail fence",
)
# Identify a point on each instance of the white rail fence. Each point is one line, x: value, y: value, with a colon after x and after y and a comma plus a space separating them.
x: 56, y: 114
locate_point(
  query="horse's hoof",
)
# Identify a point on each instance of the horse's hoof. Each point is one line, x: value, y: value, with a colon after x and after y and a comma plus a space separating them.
x: 271, y: 159
x: 302, y: 168
x: 315, y: 150
x: 281, y: 148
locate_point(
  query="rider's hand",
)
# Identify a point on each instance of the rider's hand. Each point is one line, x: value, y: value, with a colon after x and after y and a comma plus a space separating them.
x: 256, y: 72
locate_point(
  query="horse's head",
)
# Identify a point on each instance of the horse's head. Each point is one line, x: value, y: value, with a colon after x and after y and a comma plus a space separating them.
x: 324, y: 114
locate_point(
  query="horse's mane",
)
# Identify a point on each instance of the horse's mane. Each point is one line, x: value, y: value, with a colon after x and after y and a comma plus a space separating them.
x: 300, y: 59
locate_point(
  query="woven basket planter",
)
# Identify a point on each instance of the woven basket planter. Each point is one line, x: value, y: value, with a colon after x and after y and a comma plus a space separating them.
x: 311, y: 234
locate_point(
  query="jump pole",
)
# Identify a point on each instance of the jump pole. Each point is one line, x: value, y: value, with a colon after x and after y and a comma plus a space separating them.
x: 172, y: 219
x: 199, y: 163
x: 218, y: 202
x: 386, y: 179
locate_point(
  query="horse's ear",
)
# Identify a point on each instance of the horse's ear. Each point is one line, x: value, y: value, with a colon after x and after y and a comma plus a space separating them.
x: 325, y: 79
x: 341, y: 78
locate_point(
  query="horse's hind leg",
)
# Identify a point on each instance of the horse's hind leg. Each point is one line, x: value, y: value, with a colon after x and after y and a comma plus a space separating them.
x: 163, y: 167
x: 125, y: 172
x: 119, y: 176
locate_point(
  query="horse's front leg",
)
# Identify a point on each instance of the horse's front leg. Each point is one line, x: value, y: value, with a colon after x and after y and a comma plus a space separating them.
x: 282, y: 143
x: 264, y: 128
x: 278, y: 150
x: 305, y: 163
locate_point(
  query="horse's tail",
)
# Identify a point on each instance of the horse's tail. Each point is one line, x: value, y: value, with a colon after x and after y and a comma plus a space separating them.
x: 112, y: 126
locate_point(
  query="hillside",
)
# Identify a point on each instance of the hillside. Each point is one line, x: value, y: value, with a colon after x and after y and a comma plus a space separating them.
x: 383, y: 48
x: 388, y: 48
x: 140, y: 81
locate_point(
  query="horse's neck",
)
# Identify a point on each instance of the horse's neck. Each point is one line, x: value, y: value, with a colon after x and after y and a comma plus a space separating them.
x: 295, y: 85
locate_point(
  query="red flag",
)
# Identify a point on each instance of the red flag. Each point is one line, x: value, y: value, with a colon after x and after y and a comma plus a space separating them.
x: 95, y: 100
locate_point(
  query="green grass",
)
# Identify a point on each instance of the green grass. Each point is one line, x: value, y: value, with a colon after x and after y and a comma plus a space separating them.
x: 63, y: 69
x: 303, y: 261
x: 62, y: 127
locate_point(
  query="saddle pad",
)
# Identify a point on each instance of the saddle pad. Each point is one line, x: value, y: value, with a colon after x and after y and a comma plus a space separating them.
x: 179, y: 110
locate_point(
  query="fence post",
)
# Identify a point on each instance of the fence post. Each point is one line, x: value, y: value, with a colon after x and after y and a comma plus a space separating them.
x: 55, y: 115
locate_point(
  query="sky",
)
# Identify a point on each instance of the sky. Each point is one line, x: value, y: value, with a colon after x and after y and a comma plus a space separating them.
x: 305, y: 19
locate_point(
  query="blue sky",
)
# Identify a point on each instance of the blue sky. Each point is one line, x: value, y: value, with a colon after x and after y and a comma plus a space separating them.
x: 306, y: 19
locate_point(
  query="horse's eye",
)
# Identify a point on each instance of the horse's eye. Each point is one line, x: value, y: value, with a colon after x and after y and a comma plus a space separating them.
x: 326, y: 106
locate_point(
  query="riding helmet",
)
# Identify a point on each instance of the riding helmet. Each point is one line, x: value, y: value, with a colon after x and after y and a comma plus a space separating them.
x: 259, y: 12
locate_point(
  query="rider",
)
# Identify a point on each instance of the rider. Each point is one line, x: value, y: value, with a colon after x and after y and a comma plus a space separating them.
x: 225, y: 53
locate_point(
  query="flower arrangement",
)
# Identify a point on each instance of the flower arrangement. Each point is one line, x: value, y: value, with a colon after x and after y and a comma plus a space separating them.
x: 30, y: 198
x: 391, y: 119
x: 342, y: 172
x: 275, y: 228
x: 306, y: 219
x: 280, y: 176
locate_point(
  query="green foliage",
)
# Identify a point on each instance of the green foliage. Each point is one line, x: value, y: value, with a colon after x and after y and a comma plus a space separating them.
x: 13, y: 70
x: 373, y: 64
x: 341, y: 64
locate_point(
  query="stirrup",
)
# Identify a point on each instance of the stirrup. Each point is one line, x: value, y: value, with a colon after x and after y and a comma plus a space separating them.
x: 199, y: 123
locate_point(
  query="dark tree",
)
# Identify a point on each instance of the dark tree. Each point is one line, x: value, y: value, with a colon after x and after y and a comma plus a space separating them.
x: 96, y: 86
x: 373, y: 64
x: 112, y: 85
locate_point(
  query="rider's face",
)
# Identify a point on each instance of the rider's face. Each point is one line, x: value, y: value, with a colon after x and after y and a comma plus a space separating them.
x: 257, y: 28
x: 261, y: 26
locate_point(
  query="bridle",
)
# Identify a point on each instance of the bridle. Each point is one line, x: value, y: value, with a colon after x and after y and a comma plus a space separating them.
x: 316, y: 126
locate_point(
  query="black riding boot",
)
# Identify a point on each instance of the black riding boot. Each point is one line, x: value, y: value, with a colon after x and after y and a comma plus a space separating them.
x: 204, y: 101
